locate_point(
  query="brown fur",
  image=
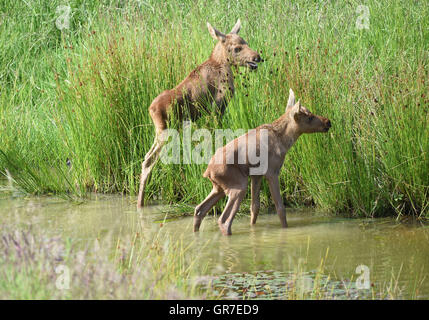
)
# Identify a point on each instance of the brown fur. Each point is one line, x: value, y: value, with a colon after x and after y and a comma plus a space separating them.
x: 212, y: 81
x: 232, y: 179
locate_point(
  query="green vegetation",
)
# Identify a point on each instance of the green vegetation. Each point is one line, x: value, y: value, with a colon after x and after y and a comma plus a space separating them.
x: 35, y: 266
x: 82, y: 94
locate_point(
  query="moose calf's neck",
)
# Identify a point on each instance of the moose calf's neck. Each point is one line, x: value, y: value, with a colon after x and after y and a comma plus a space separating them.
x: 286, y: 131
x: 219, y: 55
x: 219, y: 59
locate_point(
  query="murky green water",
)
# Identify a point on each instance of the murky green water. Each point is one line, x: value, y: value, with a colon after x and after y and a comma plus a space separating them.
x: 392, y: 251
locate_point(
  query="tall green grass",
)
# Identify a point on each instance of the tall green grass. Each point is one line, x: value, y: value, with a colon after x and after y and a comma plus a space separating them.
x: 82, y: 94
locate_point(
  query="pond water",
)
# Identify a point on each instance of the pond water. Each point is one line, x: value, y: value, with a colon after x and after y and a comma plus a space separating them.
x: 394, y: 254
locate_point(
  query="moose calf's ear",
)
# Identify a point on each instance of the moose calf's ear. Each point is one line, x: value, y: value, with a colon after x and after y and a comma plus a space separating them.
x: 297, y: 111
x: 216, y: 34
x: 291, y: 100
x: 237, y: 27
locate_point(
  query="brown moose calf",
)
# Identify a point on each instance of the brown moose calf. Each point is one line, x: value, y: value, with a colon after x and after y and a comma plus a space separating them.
x: 230, y: 167
x: 211, y: 81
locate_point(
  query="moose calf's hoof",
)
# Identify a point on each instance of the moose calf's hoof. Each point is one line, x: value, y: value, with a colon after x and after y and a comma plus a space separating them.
x: 226, y: 230
x: 197, y: 223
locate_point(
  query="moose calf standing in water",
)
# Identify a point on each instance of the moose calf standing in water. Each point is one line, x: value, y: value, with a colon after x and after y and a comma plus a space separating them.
x: 230, y: 177
x: 210, y: 82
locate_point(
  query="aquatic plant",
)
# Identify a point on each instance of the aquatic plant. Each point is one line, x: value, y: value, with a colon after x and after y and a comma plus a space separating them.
x: 36, y: 266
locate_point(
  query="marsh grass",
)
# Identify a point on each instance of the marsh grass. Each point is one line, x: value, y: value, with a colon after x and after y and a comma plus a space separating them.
x: 36, y: 266
x: 82, y: 95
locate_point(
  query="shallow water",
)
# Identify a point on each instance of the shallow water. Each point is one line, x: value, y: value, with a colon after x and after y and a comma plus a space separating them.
x: 391, y: 250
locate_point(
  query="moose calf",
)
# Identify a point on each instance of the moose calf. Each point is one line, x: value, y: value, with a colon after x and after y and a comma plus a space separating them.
x: 231, y: 178
x: 210, y: 82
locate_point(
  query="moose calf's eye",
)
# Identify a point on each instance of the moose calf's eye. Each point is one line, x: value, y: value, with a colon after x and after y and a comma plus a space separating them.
x: 237, y: 49
x: 310, y: 118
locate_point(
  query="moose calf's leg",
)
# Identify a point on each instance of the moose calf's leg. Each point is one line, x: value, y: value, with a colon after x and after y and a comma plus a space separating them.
x: 158, y: 113
x: 204, y: 207
x: 231, y: 208
x: 255, y: 189
x: 273, y: 183
x: 149, y: 162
